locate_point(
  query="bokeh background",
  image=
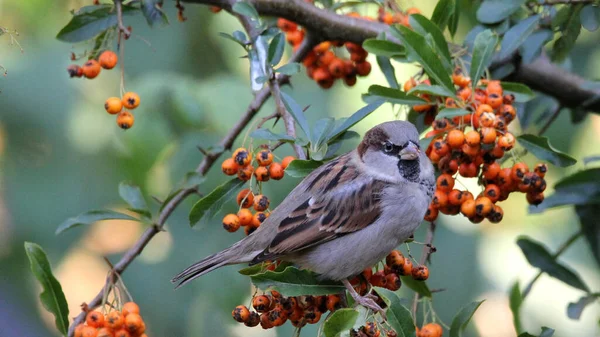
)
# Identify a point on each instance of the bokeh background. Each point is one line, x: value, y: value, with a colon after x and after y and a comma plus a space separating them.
x: 61, y: 154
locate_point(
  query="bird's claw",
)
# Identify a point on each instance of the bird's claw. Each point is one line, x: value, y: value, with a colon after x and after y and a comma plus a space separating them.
x: 369, y: 301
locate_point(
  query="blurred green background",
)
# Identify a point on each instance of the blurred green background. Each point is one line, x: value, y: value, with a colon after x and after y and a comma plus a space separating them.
x: 61, y: 154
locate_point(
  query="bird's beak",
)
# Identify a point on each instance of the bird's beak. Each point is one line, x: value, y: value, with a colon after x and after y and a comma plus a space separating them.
x: 410, y: 152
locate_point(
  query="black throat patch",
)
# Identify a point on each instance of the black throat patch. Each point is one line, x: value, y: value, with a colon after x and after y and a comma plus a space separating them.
x: 409, y: 169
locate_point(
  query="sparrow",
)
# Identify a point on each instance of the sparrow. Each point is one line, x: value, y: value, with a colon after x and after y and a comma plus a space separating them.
x: 344, y: 216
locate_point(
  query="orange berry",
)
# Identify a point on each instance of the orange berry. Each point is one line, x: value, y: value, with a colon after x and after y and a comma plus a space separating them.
x: 261, y: 202
x: 431, y: 330
x: 541, y: 169
x: 464, y: 93
x: 130, y: 308
x: 359, y: 55
x: 457, y: 197
x: 88, y: 331
x: 492, y: 191
x: 104, y: 332
x: 363, y: 68
x: 441, y: 147
x: 134, y: 324
x: 393, y: 282
x: 241, y: 313
x: 507, y: 112
x: 491, y: 171
x: 245, y: 173
x: 494, y: 100
x: 91, y: 69
x: 231, y: 223
x: 286, y: 161
x: 480, y: 96
x: 322, y: 47
x: 472, y: 138
x: 261, y: 173
x: 295, y: 37
x: 258, y: 218
x: 420, y: 273
x: 440, y: 199
x: 261, y: 303
x: 534, y: 198
x: 488, y: 135
x: 496, y: 214
x: 113, y: 105
x: 253, y: 320
x: 229, y: 167
x: 395, y: 260
x: 114, y: 320
x: 276, y: 171
x: 241, y: 156
x: 326, y: 58
x: 506, y: 141
x: 94, y: 319
x: 125, y: 120
x: 518, y: 171
x: 333, y: 303
x: 494, y: 87
x: 455, y: 139
x: 337, y: 68
x: 409, y: 84
x: 467, y: 208
x: 286, y: 25
x: 431, y: 214
x: 487, y: 119
x: 122, y: 333
x: 483, y: 206
x: 74, y: 71
x: 445, y: 183
x: 108, y: 59
x: 264, y: 157
x: 131, y: 100
x: 265, y: 323
x: 245, y: 216
x: 413, y: 10
x: 245, y: 198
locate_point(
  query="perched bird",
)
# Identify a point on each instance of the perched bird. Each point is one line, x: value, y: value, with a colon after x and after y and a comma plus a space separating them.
x: 346, y: 215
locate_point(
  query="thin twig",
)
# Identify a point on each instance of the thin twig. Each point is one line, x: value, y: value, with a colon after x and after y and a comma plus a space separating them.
x: 290, y: 126
x: 550, y: 120
x: 560, y: 250
x: 428, y: 249
x: 120, y: 25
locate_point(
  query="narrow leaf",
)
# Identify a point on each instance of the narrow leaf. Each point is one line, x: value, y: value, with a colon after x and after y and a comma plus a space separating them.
x: 301, y: 168
x: 294, y: 282
x: 442, y: 13
x: 321, y: 131
x: 52, y: 296
x: 590, y: 17
x: 435, y: 90
x: 394, y: 96
x: 493, y: 11
x: 521, y: 92
x: 575, y: 309
x: 541, y: 148
x: 90, y: 217
x: 532, y: 47
x: 153, y: 13
x: 423, y: 26
x: 453, y: 24
x: 267, y: 134
x: 516, y: 35
x: 246, y: 9
x: 384, y: 48
x: 340, y: 320
x: 207, y: 207
x: 388, y: 70
x: 483, y: 51
x: 570, y: 29
x: 538, y: 256
x: 419, y: 287
x: 419, y: 50
x: 276, y: 48
x: 462, y: 319
x: 588, y: 218
x: 451, y: 112
x: 289, y: 68
x: 515, y: 302
x: 90, y: 21
x: 132, y: 195
x: 296, y: 111
x: 354, y: 118
x: 398, y: 316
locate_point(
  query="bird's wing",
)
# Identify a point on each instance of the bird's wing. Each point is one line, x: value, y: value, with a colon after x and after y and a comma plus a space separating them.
x: 337, y: 201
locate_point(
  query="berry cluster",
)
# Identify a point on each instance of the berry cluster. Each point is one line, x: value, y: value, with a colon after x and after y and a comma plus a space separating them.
x: 471, y: 146
x: 370, y: 329
x: 430, y: 330
x: 240, y: 164
x: 324, y: 64
x: 113, y: 105
x: 124, y: 323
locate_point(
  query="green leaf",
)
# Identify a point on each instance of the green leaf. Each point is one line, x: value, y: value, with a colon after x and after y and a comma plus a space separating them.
x: 588, y: 218
x: 246, y: 9
x: 295, y: 282
x: 321, y: 131
x: 421, y: 25
x: 340, y: 320
x: 237, y: 37
x: 267, y: 134
x: 541, y: 148
x: 354, y: 118
x: 388, y: 70
x: 276, y: 48
x: 419, y: 287
x: 493, y: 11
x: 538, y: 256
x: 453, y: 24
x: 419, y: 50
x: 483, y: 51
x: 90, y: 21
x: 398, y: 316
x: 435, y: 90
x: 575, y: 309
x: 207, y: 207
x: 515, y: 302
x: 394, y: 96
x: 570, y: 26
x: 153, y: 12
x: 52, y: 296
x: 384, y: 48
x: 462, y: 319
x: 516, y: 35
x: 442, y: 13
x: 90, y: 217
x: 590, y: 17
x: 289, y: 68
x: 521, y: 92
x: 296, y: 111
x: 580, y: 188
x: 451, y: 112
x: 132, y: 195
x: 301, y: 168
x: 532, y: 47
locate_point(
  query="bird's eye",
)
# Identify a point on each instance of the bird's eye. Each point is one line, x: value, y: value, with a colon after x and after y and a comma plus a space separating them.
x: 388, y: 147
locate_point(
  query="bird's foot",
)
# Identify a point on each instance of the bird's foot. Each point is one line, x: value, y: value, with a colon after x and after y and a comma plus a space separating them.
x: 369, y: 301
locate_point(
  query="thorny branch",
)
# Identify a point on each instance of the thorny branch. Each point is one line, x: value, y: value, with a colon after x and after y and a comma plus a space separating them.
x: 207, y: 162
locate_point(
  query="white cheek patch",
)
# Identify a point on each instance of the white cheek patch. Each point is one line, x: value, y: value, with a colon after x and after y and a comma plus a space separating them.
x: 381, y: 166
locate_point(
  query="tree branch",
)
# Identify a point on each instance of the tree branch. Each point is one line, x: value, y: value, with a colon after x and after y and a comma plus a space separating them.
x: 541, y: 75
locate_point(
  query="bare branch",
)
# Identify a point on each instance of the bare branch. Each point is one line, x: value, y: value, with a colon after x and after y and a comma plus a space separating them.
x: 120, y: 25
